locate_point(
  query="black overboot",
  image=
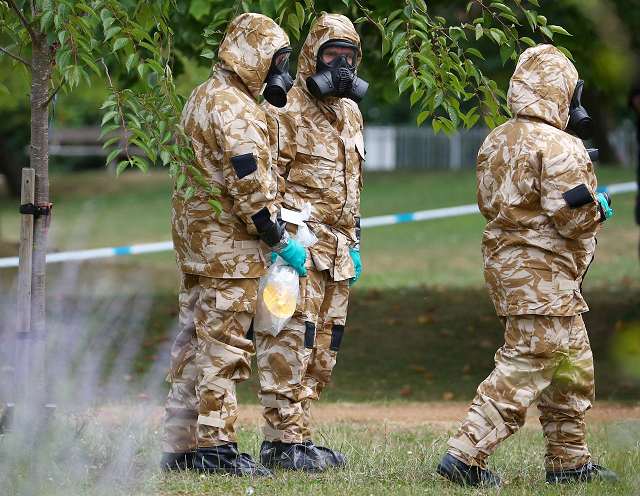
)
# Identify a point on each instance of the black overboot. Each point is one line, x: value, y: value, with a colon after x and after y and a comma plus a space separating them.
x: 586, y: 473
x: 332, y: 458
x: 292, y: 456
x: 466, y: 475
x: 227, y: 459
x: 177, y: 461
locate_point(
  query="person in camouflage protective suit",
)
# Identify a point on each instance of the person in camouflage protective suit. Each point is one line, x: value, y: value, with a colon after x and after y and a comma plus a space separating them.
x: 321, y: 157
x: 537, y: 190
x: 221, y: 257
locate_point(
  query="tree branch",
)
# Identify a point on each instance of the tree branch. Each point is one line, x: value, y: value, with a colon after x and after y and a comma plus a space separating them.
x: 62, y: 82
x: 17, y: 57
x: 24, y: 20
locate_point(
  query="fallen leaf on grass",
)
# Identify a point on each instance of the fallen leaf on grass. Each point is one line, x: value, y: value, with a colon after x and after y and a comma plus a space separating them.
x: 426, y: 319
x: 466, y: 369
x: 486, y: 343
x: 405, y: 392
x: 621, y: 325
x: 352, y: 329
x: 416, y: 368
x: 447, y: 396
x: 447, y: 332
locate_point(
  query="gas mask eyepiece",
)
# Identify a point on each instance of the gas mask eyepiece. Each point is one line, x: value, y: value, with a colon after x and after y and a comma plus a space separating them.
x: 579, y: 121
x: 278, y: 81
x: 335, y: 72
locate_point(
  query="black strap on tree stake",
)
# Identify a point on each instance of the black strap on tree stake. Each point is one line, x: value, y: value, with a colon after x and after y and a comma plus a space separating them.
x: 35, y: 210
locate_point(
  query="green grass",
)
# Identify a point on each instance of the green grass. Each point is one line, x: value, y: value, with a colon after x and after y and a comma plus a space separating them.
x: 123, y: 458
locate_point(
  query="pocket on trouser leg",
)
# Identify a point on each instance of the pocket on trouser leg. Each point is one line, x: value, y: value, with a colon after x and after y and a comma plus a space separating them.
x: 217, y: 410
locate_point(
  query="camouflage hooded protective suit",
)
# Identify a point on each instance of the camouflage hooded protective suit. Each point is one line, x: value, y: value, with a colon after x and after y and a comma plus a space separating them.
x: 221, y: 257
x: 536, y: 188
x: 321, y: 156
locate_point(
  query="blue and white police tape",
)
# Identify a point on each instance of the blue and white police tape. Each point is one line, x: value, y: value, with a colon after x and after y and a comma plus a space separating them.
x: 383, y: 220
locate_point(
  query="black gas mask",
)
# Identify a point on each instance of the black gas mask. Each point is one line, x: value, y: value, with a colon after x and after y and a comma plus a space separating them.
x: 278, y: 81
x: 336, y: 72
x: 579, y: 121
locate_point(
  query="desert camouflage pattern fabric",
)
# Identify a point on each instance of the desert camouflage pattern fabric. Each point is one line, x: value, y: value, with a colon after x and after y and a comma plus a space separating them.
x: 536, y: 248
x: 223, y: 120
x: 179, y: 428
x: 546, y: 358
x: 210, y: 356
x: 321, y: 155
x: 295, y: 365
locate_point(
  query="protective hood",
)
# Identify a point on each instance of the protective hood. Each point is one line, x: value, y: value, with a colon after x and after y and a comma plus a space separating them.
x: 542, y: 85
x: 327, y: 27
x: 249, y: 46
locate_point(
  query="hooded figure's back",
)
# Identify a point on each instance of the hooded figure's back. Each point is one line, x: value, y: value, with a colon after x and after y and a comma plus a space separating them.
x: 235, y: 145
x: 536, y: 247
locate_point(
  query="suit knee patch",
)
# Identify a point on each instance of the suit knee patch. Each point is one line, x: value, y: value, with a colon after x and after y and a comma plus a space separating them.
x: 244, y: 164
x: 337, y: 331
x: 578, y: 197
x: 309, y: 334
x: 249, y: 335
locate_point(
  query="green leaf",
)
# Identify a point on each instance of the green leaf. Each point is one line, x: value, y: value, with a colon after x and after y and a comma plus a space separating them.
x: 496, y: 34
x: 188, y: 193
x: 479, y: 31
x: 121, y: 166
x: 547, y: 32
x: 111, y: 32
x: 4, y: 89
x: 141, y: 164
x: 453, y: 115
x: 559, y: 29
x: 215, y: 206
x: 422, y: 116
x: 437, y: 126
x: 152, y: 80
x: 109, y: 129
x: 300, y: 12
x: 385, y: 45
x: 439, y: 98
x: 534, y: 2
x: 110, y: 142
x: 108, y: 116
x: 293, y: 22
x: 528, y: 41
x: 119, y: 43
x: 505, y: 52
x: 401, y: 71
x: 113, y: 154
x: 489, y: 121
x: 207, y: 53
x: 455, y: 32
x: 45, y: 20
x: 404, y: 84
x: 415, y: 96
x: 566, y: 52
x: 475, y: 52
x: 532, y: 18
x: 165, y: 156
x: 131, y: 61
x: 182, y: 180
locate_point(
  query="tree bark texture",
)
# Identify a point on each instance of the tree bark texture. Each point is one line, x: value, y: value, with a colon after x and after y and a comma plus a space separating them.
x: 40, y: 80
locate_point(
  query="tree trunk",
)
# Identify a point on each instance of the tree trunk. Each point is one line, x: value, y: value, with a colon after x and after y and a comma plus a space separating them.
x: 40, y: 80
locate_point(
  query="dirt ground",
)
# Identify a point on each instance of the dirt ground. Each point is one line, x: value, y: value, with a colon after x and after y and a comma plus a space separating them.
x: 439, y: 415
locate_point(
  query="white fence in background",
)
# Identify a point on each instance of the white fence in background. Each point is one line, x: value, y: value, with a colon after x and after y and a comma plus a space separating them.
x: 410, y: 147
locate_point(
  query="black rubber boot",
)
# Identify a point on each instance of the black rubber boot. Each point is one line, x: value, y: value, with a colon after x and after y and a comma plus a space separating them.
x: 227, y: 459
x: 466, y: 475
x: 586, y: 473
x: 292, y: 456
x: 332, y: 458
x: 177, y: 461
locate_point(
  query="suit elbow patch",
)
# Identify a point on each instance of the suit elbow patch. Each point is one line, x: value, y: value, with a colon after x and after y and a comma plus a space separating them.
x: 244, y: 164
x: 578, y: 197
x: 262, y: 220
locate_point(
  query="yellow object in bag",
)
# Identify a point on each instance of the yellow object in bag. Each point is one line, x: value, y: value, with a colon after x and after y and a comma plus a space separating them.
x: 279, y: 301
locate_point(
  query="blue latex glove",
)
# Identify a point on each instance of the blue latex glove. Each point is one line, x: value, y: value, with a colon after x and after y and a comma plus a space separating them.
x: 274, y: 256
x: 604, y: 201
x: 295, y: 255
x: 357, y: 264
